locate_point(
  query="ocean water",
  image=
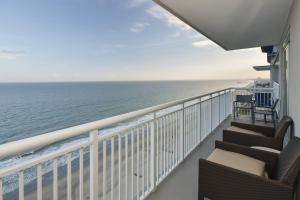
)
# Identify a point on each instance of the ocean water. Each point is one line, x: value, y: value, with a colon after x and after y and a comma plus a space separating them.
x: 29, y: 109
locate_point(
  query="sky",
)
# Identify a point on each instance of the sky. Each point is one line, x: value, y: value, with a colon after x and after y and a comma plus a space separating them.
x: 110, y: 40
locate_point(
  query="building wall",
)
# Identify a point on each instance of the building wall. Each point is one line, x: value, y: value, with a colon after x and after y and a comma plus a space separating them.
x: 275, y: 75
x: 294, y: 67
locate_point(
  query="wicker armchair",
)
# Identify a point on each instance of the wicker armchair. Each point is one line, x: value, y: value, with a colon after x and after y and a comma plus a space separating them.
x: 266, y: 111
x: 219, y: 182
x: 256, y: 135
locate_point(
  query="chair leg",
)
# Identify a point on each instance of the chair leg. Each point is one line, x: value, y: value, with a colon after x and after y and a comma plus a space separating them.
x: 201, y: 196
x: 273, y: 119
x: 233, y: 111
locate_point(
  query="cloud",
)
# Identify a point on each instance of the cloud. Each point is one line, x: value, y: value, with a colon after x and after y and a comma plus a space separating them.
x: 172, y: 21
x: 10, y: 55
x: 137, y: 3
x: 204, y: 43
x: 176, y: 34
x: 138, y: 27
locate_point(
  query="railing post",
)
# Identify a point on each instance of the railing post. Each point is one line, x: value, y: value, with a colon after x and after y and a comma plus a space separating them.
x: 211, y: 113
x: 200, y: 113
x: 199, y: 122
x: 225, y: 104
x: 219, y: 107
x: 94, y: 165
x: 182, y: 133
x: 152, y: 147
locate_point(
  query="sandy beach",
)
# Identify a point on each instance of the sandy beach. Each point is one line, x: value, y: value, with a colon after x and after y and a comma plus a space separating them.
x: 30, y: 188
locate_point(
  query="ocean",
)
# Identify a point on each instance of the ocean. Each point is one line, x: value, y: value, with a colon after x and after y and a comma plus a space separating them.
x: 29, y: 109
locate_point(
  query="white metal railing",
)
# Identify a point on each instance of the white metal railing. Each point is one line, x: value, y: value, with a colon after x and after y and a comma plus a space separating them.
x: 128, y: 163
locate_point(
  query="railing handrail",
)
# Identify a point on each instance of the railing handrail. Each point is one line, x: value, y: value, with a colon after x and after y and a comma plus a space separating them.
x: 251, y: 88
x: 39, y: 141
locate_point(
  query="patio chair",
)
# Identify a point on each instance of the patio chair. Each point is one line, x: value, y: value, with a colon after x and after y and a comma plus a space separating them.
x: 236, y: 172
x: 266, y: 111
x: 243, y: 102
x: 257, y: 135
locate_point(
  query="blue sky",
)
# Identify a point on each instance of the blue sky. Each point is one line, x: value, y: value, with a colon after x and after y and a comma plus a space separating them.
x: 101, y: 40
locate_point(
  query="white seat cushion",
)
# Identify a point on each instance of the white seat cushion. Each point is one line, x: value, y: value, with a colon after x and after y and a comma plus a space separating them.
x: 266, y: 149
x: 262, y: 109
x: 238, y: 161
x: 241, y: 130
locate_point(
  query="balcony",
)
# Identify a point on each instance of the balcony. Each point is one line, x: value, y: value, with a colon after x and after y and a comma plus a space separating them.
x: 149, y: 154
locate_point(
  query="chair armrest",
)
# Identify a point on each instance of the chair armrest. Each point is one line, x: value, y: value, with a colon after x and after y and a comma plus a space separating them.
x: 251, y: 140
x: 223, y: 183
x: 267, y: 131
x: 268, y: 157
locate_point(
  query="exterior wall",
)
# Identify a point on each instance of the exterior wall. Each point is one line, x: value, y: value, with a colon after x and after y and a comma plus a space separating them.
x: 274, y: 75
x: 294, y: 67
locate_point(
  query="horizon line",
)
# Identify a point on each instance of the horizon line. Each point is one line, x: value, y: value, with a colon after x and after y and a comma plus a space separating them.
x: 162, y: 80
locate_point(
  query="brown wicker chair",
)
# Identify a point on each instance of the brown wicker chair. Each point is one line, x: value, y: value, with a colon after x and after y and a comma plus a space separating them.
x: 257, y: 135
x: 218, y: 182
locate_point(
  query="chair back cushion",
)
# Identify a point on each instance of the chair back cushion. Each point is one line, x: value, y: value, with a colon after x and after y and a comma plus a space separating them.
x: 282, y: 127
x: 288, y: 164
x: 244, y: 98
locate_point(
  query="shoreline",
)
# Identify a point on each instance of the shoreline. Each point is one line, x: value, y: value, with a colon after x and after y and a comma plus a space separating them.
x: 47, y: 178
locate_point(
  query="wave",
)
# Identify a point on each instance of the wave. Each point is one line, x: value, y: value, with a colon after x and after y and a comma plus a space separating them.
x: 10, y: 183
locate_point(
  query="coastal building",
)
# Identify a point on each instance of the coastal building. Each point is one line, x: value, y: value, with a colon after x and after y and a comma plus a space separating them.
x: 156, y: 156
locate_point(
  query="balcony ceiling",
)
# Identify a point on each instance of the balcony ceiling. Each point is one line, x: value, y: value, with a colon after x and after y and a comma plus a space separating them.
x: 234, y: 24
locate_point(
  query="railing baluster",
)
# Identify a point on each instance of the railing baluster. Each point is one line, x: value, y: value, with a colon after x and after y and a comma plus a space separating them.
x: 187, y: 138
x: 158, y: 139
x: 176, y: 138
x: 167, y: 143
x: 138, y: 163
x: 1, y: 189
x: 157, y: 149
x: 126, y: 166
x: 173, y: 138
x: 225, y: 104
x: 170, y: 141
x: 164, y: 146
x: 182, y: 127
x: 81, y: 174
x: 200, y: 120
x: 21, y: 185
x: 161, y: 148
x: 39, y: 182
x: 94, y: 165
x: 211, y: 113
x: 153, y: 181
x: 219, y: 107
x: 190, y: 133
x: 148, y: 157
x: 69, y: 176
x: 120, y: 165
x: 132, y: 168
x: 104, y: 169
x: 55, y: 177
x: 112, y: 167
x: 143, y: 161
x: 195, y: 126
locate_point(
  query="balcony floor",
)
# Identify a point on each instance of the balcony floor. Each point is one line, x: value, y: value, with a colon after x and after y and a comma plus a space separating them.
x: 183, y: 182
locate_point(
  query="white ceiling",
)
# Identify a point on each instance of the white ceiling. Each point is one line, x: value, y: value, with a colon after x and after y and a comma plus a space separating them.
x: 234, y: 24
